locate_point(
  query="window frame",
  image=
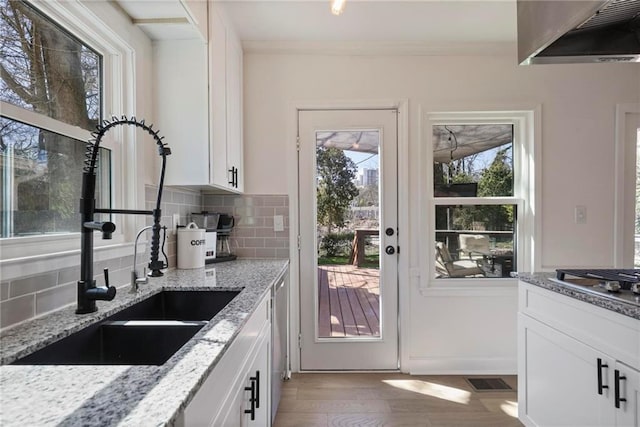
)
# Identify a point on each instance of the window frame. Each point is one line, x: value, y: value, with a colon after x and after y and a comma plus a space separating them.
x: 117, y: 77
x: 626, y: 154
x: 524, y: 196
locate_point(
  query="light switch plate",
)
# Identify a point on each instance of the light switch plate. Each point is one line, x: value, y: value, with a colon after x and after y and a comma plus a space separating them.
x: 278, y: 223
x: 581, y: 214
x: 175, y: 222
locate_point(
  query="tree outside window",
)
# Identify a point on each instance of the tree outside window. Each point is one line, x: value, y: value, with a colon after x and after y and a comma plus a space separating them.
x: 51, y: 73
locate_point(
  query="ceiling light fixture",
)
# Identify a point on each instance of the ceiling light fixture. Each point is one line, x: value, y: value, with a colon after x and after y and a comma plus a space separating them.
x: 337, y: 6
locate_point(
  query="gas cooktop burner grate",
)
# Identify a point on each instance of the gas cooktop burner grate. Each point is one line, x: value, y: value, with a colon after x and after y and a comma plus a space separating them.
x: 626, y: 277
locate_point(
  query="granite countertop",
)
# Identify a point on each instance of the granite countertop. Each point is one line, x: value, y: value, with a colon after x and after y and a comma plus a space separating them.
x: 583, y: 293
x: 110, y: 395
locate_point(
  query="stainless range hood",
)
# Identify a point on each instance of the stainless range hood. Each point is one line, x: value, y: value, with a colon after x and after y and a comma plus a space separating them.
x: 570, y: 31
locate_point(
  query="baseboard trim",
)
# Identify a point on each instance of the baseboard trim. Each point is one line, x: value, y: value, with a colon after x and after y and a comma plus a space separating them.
x: 463, y: 366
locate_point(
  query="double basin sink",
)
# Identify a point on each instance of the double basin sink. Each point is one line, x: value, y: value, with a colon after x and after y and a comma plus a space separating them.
x: 146, y: 333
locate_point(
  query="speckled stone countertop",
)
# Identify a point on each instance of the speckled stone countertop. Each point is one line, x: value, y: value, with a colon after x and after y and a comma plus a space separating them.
x: 545, y: 280
x: 117, y: 395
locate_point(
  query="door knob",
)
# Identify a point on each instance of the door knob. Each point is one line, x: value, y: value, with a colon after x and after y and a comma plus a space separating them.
x: 390, y: 250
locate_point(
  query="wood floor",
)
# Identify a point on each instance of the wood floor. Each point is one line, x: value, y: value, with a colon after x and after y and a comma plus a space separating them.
x: 349, y: 301
x: 393, y: 399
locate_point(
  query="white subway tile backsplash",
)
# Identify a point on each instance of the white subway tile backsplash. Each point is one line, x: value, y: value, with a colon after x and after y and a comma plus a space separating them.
x: 56, y: 297
x: 265, y: 252
x: 275, y: 201
x: 122, y: 277
x: 151, y: 193
x: 253, y: 235
x: 32, y: 284
x: 24, y: 297
x: 263, y: 232
x: 69, y: 275
x: 245, y: 252
x: 16, y: 310
x: 282, y: 252
x: 4, y: 291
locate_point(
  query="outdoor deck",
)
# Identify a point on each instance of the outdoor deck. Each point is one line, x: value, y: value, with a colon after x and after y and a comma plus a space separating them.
x: 349, y: 301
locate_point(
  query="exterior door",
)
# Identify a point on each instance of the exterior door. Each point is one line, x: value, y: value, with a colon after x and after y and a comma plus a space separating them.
x: 348, y: 199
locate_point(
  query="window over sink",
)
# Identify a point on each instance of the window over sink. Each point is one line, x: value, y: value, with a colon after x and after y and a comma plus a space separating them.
x: 60, y: 73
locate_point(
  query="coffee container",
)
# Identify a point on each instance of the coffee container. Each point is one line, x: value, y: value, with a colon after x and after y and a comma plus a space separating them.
x: 191, y: 246
x: 209, y: 222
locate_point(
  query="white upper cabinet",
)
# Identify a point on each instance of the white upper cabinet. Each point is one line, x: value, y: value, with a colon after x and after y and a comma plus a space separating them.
x: 168, y: 19
x: 198, y: 91
x: 234, y: 112
x: 225, y: 53
x: 182, y: 113
x: 218, y: 98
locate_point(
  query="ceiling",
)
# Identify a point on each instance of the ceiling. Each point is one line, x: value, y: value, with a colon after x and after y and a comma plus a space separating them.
x: 428, y: 22
x: 365, y: 26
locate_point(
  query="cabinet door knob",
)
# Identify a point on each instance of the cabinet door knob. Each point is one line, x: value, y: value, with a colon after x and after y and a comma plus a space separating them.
x: 617, y: 379
x: 601, y: 365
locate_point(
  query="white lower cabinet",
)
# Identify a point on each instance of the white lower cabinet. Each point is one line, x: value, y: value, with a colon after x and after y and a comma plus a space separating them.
x: 561, y: 382
x: 237, y: 392
x: 629, y: 383
x: 250, y: 405
x: 571, y: 371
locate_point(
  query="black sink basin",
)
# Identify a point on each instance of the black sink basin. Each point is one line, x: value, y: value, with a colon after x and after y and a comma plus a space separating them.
x: 178, y: 305
x: 147, y: 333
x: 117, y: 343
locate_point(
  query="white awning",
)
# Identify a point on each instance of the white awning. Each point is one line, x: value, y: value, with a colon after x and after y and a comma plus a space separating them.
x: 453, y: 142
x: 363, y: 141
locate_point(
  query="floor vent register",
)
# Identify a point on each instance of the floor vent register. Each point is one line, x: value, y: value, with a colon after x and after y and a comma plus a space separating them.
x: 488, y: 384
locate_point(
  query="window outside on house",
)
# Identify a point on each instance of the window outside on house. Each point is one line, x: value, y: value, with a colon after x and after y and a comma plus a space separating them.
x: 475, y: 207
x: 51, y: 99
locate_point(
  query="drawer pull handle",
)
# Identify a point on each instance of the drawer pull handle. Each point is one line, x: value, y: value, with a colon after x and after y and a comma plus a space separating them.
x: 252, y: 400
x: 234, y: 176
x: 618, y: 378
x: 600, y: 385
x: 257, y: 383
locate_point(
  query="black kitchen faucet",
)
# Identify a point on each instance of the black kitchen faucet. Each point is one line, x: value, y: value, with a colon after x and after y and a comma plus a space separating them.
x: 88, y: 293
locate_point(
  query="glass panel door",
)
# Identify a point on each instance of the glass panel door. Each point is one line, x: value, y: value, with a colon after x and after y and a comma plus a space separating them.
x: 348, y: 261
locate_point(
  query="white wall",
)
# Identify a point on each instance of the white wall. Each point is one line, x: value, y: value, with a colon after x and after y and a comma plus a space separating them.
x: 460, y: 332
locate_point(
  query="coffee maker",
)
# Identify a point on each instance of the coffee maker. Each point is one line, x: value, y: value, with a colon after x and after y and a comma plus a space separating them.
x: 223, y: 232
x: 217, y: 237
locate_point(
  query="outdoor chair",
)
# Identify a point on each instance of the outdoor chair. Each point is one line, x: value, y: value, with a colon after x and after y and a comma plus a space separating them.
x: 475, y: 246
x: 446, y: 266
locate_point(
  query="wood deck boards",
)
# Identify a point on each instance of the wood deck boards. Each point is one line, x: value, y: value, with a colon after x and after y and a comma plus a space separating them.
x: 349, y: 301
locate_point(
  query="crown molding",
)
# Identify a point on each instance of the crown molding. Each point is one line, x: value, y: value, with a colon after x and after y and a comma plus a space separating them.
x: 379, y: 48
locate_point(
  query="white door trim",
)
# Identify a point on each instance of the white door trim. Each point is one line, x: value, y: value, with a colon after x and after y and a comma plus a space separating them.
x: 620, y: 240
x: 402, y: 105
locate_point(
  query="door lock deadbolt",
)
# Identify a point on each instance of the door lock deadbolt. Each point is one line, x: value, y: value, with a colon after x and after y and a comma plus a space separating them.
x: 389, y: 231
